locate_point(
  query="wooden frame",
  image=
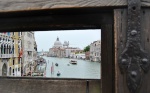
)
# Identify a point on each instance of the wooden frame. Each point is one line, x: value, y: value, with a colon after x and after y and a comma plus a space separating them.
x: 64, y: 19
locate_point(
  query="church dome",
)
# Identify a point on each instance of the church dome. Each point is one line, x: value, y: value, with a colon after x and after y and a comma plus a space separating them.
x: 66, y: 43
x: 57, y: 43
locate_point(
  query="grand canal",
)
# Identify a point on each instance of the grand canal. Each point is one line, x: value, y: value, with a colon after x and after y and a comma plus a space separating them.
x: 84, y: 69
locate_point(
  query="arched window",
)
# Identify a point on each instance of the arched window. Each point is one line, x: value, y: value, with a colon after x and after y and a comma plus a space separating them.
x: 13, y: 49
x: 2, y: 49
x: 13, y: 61
x: 4, y: 70
x: 13, y: 72
x: 10, y: 71
x: 18, y: 69
x: 9, y: 49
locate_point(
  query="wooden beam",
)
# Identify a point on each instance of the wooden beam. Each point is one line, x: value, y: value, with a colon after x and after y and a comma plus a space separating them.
x: 47, y: 85
x: 145, y: 3
x: 15, y: 5
x: 59, y: 19
x: 107, y: 57
x: 20, y: 5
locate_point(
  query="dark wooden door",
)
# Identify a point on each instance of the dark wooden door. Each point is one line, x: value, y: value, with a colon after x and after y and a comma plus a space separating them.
x: 4, y: 70
x: 120, y: 30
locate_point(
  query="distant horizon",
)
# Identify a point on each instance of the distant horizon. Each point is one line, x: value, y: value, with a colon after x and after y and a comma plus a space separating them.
x: 76, y: 38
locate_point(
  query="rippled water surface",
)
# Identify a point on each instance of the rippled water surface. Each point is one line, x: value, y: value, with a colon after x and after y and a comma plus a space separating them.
x: 83, y: 69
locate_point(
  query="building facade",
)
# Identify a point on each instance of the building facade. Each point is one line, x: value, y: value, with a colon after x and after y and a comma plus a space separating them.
x: 62, y: 50
x: 10, y: 48
x: 95, y: 51
x: 29, y: 52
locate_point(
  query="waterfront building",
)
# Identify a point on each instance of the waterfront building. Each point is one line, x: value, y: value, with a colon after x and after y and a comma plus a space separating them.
x: 62, y: 50
x: 15, y: 63
x: 95, y: 51
x: 71, y: 51
x: 29, y: 52
x: 77, y: 56
x: 10, y: 48
x: 5, y: 53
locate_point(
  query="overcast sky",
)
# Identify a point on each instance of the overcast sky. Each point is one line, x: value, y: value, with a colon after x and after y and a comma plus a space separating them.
x: 76, y: 38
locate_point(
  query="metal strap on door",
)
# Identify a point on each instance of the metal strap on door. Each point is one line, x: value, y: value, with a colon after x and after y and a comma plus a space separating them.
x: 133, y: 60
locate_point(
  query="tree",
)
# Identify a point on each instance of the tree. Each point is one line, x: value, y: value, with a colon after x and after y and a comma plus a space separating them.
x: 87, y: 48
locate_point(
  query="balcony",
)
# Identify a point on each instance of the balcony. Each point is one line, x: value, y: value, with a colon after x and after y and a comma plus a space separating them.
x: 15, y: 55
x: 6, y: 55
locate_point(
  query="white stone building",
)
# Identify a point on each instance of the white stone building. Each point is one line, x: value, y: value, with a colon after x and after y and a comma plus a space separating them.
x: 61, y: 50
x: 95, y: 51
x: 70, y: 51
x: 29, y: 52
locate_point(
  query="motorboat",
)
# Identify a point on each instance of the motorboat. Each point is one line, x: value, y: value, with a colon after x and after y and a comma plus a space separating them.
x: 56, y: 64
x: 58, y: 74
x: 73, y: 61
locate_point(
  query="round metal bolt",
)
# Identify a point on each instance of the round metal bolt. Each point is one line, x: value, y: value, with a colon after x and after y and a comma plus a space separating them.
x: 133, y: 74
x: 144, y: 60
x: 133, y: 32
x: 124, y: 61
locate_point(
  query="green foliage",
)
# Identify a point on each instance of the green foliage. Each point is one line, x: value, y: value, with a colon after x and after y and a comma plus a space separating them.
x: 87, y: 48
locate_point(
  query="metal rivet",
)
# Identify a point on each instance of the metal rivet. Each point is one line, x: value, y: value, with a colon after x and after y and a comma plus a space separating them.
x: 133, y: 74
x: 133, y: 32
x: 144, y: 60
x: 123, y: 61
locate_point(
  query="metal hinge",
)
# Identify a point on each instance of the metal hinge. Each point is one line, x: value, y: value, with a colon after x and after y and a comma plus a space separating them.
x: 134, y: 61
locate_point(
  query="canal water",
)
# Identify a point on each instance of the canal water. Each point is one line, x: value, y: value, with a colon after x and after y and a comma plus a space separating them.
x: 83, y: 69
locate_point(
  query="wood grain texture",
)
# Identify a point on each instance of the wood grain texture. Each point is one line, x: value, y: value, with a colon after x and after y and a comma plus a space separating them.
x: 107, y: 75
x: 14, y: 5
x: 18, y: 5
x: 145, y: 3
x: 120, y: 27
x: 145, y: 42
x: 47, y: 86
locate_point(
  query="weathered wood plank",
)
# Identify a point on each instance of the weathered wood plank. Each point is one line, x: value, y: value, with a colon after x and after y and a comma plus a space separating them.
x: 52, y: 20
x: 145, y: 37
x: 14, y: 5
x: 22, y: 85
x: 145, y: 3
x: 120, y: 27
x: 18, y: 5
x: 107, y: 76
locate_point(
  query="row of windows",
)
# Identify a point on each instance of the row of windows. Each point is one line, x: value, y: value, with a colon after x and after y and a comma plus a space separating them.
x: 7, y: 50
x: 5, y: 39
x: 13, y: 70
x: 18, y: 61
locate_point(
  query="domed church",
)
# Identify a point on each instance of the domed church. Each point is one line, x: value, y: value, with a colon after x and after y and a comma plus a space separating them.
x: 61, y: 50
x: 57, y: 43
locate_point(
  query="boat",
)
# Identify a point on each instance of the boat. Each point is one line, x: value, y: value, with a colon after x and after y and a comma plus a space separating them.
x: 56, y: 64
x: 58, y: 74
x: 73, y: 61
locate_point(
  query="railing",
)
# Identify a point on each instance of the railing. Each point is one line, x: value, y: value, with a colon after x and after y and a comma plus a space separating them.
x: 6, y: 55
x: 15, y: 55
x: 49, y: 85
